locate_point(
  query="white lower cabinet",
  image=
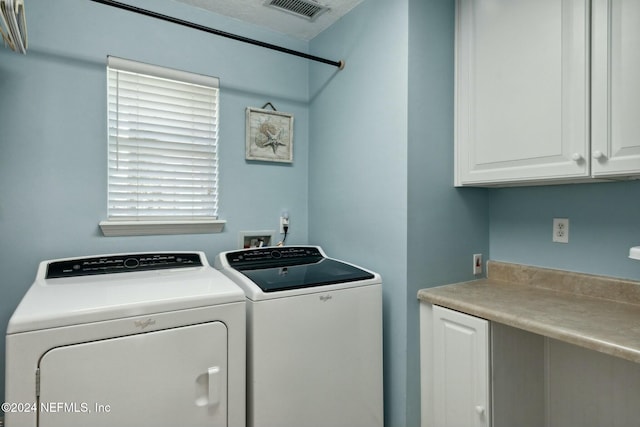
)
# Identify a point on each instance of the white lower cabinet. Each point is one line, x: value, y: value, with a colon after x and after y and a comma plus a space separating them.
x: 458, y: 371
x: 480, y: 373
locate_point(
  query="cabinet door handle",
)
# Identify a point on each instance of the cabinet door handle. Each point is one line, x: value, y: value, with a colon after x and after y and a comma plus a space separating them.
x: 576, y: 157
x: 480, y: 410
x: 597, y: 154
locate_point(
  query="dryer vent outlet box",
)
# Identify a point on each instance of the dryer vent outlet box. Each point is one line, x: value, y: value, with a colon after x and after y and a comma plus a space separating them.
x: 302, y: 8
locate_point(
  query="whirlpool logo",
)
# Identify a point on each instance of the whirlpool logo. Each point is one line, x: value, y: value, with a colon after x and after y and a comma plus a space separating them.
x: 325, y: 298
x: 143, y: 324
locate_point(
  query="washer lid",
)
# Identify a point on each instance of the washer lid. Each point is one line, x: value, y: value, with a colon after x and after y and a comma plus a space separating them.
x: 322, y: 272
x: 269, y: 273
x: 77, y: 300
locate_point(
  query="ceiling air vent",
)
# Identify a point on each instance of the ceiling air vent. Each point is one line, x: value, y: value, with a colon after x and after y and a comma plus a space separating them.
x: 303, y: 8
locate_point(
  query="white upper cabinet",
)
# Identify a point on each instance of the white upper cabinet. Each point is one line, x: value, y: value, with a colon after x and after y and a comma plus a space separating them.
x: 615, y: 137
x: 522, y: 90
x: 532, y: 106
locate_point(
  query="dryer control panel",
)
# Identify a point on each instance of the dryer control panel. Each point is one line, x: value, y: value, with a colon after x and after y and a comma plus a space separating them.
x: 122, y: 263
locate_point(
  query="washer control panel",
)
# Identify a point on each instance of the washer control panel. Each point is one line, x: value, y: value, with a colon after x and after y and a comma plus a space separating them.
x: 121, y: 264
x: 273, y: 256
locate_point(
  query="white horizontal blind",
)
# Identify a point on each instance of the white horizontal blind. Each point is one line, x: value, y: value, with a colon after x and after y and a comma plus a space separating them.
x: 163, y: 133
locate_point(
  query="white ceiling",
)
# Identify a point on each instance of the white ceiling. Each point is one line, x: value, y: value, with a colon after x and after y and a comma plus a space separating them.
x: 255, y: 12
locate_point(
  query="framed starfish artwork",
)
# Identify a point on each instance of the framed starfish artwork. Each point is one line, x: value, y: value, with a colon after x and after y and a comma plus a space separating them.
x: 269, y: 135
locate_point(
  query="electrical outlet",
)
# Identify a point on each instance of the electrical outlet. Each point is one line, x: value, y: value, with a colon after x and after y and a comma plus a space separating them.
x: 560, y: 230
x: 477, y: 264
x: 284, y: 221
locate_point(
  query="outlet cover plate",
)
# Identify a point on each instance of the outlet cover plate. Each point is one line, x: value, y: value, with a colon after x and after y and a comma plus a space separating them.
x: 477, y: 264
x: 560, y: 230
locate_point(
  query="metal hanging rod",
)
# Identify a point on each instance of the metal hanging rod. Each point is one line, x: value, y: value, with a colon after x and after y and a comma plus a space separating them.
x: 340, y: 64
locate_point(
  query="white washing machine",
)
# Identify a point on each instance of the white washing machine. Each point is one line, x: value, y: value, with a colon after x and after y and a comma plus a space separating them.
x: 314, y: 338
x: 127, y: 340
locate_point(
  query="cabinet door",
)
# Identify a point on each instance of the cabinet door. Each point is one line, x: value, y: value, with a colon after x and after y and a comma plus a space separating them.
x: 522, y: 90
x: 460, y: 370
x: 616, y: 87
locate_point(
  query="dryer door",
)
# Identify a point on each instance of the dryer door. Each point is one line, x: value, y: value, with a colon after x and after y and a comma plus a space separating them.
x: 172, y: 377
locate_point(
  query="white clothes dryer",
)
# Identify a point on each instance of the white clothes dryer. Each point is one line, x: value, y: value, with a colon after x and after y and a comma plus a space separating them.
x: 154, y: 339
x: 314, y: 338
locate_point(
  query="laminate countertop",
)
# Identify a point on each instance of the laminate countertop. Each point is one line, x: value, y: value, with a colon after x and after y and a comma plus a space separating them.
x: 596, y: 312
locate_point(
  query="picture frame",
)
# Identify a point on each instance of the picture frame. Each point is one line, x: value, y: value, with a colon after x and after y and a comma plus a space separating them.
x: 269, y: 135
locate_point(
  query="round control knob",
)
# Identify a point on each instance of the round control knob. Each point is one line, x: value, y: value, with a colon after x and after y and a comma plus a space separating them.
x: 131, y: 263
x: 576, y: 157
x: 597, y: 154
x: 480, y: 410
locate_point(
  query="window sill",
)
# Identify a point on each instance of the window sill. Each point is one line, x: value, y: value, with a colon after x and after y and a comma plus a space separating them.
x: 164, y: 227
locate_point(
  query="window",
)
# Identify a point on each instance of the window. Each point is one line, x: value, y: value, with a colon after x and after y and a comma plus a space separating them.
x: 163, y: 163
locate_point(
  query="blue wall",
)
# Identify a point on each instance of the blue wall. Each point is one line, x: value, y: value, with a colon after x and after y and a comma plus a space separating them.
x: 604, y: 222
x: 381, y: 169
x: 53, y: 146
x: 446, y: 226
x: 358, y: 164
